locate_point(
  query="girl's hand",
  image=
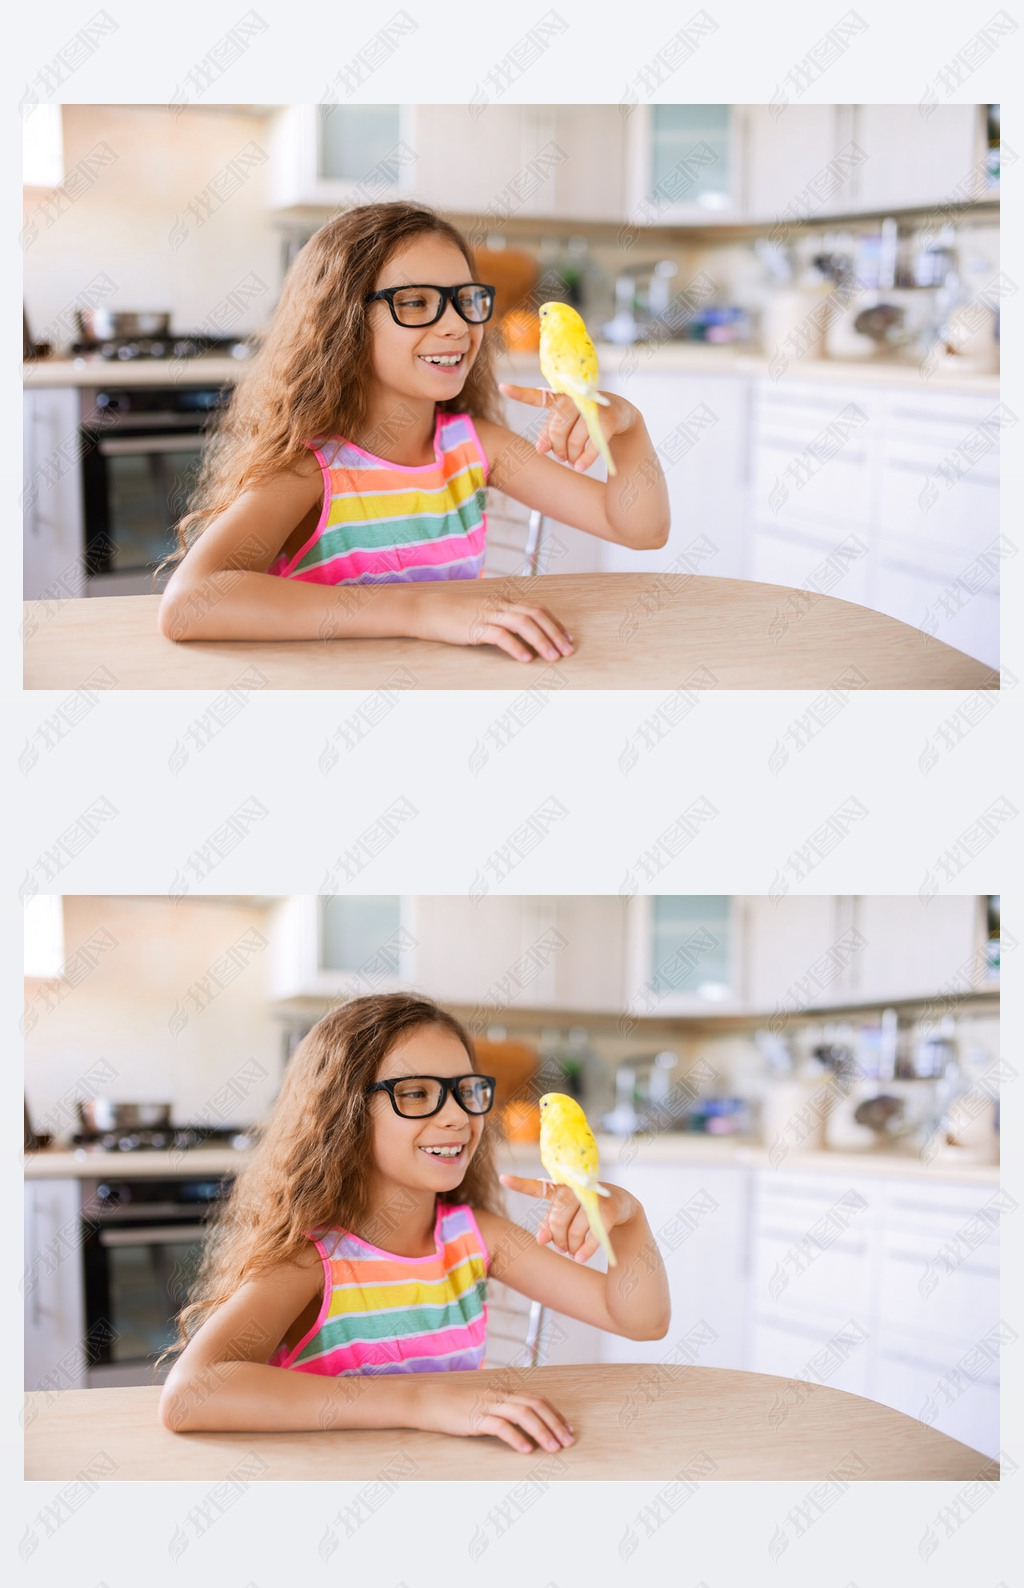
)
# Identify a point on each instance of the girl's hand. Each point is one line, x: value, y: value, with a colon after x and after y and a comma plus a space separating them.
x: 565, y: 1224
x: 443, y: 1407
x: 566, y: 435
x: 470, y: 616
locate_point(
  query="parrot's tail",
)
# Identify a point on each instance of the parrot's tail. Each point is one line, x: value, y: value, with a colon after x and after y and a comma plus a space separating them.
x: 588, y: 408
x: 589, y: 1200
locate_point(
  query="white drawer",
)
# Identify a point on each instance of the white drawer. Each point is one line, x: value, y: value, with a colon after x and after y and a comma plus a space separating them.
x: 929, y: 1384
x: 919, y: 508
x: 793, y: 487
x: 942, y: 416
x: 798, y: 1272
x: 927, y: 601
x: 836, y: 567
x: 833, y: 1354
x: 803, y: 408
x: 937, y: 1212
x: 922, y: 1291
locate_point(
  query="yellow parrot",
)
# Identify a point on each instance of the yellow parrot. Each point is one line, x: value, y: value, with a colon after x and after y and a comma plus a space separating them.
x: 569, y: 364
x: 568, y: 1152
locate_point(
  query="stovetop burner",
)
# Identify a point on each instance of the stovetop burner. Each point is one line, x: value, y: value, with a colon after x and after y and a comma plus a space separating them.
x: 192, y: 345
x: 175, y: 1138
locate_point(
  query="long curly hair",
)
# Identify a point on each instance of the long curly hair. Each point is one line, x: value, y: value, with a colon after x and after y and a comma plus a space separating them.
x: 311, y: 373
x: 311, y: 1166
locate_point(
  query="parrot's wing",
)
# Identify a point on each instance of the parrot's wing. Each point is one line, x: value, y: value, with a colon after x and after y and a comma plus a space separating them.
x: 586, y: 390
x: 578, y: 1183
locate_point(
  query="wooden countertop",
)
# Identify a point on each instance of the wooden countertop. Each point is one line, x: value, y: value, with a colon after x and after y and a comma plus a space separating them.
x: 631, y: 1421
x: 632, y: 631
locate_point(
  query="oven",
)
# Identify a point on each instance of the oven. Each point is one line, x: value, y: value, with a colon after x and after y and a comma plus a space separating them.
x: 141, y: 448
x: 142, y: 1240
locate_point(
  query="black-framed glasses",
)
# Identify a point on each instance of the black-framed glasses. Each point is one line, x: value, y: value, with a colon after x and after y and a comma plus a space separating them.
x: 424, y: 305
x: 419, y: 1096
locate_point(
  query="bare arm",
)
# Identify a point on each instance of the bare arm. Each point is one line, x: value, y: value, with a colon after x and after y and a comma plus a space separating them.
x: 222, y: 1380
x: 630, y: 509
x: 222, y: 591
x: 631, y: 1299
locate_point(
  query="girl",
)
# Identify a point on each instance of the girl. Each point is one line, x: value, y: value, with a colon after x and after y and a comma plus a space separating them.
x: 348, y: 1268
x: 356, y: 448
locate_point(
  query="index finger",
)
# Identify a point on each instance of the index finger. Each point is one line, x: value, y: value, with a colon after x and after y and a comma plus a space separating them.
x: 537, y: 396
x: 531, y: 1188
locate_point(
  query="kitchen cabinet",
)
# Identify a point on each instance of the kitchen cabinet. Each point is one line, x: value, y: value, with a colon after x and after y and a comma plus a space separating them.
x: 53, y: 511
x: 886, y: 1288
x: 936, y: 541
x: 699, y: 427
x: 683, y: 164
x: 684, y: 954
x: 333, y: 946
x: 787, y: 941
x: 882, y: 497
x: 333, y: 155
x: 905, y: 948
x: 497, y: 162
x: 521, y: 952
x: 782, y: 153
x: 811, y: 486
x: 913, y: 946
x: 699, y: 1219
x: 53, y: 1286
x: 912, y: 158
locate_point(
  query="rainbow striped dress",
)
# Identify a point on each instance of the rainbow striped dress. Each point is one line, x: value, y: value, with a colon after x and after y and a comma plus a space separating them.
x: 387, y: 1314
x: 383, y: 523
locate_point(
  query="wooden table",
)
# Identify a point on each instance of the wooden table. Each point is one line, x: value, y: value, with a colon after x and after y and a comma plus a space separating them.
x: 631, y: 1421
x: 632, y: 631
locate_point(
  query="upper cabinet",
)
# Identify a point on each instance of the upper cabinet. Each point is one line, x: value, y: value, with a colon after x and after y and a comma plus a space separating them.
x: 812, y: 161
x: 913, y: 946
x: 641, y: 165
x: 788, y: 962
x: 660, y: 954
x: 684, y: 165
x: 330, y: 946
x: 332, y: 155
x: 912, y: 155
x: 544, y: 952
x: 783, y: 153
x: 500, y: 162
x: 684, y: 954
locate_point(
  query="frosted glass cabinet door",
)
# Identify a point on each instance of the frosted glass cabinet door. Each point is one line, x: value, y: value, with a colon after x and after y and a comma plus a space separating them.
x: 683, y: 164
x: 333, y: 946
x: 341, y: 154
x: 683, y: 953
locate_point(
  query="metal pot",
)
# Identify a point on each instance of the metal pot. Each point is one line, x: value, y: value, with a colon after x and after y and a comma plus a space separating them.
x: 97, y: 1114
x: 104, y: 325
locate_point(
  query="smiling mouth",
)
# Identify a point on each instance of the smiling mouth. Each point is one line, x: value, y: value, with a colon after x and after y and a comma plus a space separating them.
x: 450, y: 1154
x: 443, y: 360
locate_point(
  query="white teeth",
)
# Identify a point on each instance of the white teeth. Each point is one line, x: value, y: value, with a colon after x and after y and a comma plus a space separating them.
x: 442, y: 1152
x: 431, y: 358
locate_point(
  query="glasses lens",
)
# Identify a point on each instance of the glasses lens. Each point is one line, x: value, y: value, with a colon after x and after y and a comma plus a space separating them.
x: 475, y: 1094
x: 475, y: 303
x: 417, y: 1095
x: 417, y: 305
